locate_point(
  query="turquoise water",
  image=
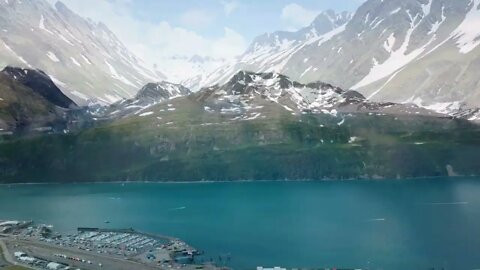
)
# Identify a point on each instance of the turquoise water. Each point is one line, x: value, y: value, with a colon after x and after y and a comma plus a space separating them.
x: 414, y: 224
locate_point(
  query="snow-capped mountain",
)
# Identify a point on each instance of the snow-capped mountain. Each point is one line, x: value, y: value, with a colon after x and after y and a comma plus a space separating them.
x: 271, y: 52
x: 85, y: 59
x: 189, y: 71
x: 249, y: 95
x: 433, y: 61
x: 423, y: 52
x: 150, y: 95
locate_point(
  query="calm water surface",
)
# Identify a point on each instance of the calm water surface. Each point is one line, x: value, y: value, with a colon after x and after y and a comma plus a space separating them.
x: 414, y: 224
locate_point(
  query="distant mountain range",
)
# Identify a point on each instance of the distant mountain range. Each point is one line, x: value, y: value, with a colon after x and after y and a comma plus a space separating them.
x: 85, y: 59
x: 422, y: 52
x: 246, y: 96
x: 405, y: 51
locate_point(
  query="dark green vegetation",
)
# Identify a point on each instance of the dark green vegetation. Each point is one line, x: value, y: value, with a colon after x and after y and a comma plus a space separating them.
x: 190, y: 144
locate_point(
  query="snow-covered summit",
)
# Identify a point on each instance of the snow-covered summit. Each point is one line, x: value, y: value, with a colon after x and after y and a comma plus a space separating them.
x: 249, y: 94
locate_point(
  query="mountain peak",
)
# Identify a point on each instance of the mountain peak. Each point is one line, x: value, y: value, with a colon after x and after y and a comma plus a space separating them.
x: 61, y: 7
x: 160, y: 91
x: 324, y: 22
x: 328, y: 20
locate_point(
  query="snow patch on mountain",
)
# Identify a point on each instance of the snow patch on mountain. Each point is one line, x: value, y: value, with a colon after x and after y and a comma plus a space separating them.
x: 53, y: 57
x: 41, y: 25
x: 117, y: 76
x: 86, y: 59
x: 427, y: 8
x: 389, y: 43
x: 447, y: 108
x: 396, y: 60
x: 395, y: 11
x: 468, y: 32
x: 75, y: 61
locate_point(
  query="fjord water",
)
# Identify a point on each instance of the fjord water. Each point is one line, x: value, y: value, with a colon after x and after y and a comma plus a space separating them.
x: 408, y: 224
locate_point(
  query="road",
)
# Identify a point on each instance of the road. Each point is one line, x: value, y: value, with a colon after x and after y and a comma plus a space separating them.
x: 46, y: 252
x: 8, y: 256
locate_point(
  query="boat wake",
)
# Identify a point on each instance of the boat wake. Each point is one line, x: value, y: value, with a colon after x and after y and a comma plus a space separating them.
x: 448, y: 203
x: 377, y: 219
x: 178, y: 208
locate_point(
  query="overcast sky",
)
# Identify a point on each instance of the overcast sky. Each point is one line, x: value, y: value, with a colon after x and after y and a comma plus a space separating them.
x: 218, y: 28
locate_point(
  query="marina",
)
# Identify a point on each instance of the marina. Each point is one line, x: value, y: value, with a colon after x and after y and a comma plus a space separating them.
x: 39, y: 247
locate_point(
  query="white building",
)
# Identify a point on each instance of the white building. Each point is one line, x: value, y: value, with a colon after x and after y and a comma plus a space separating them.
x: 27, y: 259
x: 53, y: 266
x: 19, y: 254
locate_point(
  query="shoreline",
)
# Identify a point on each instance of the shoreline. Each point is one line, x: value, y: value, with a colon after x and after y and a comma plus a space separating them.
x: 244, y: 181
x: 128, y: 248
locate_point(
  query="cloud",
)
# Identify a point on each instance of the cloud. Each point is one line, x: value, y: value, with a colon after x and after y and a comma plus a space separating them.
x: 230, y: 6
x: 231, y: 44
x: 164, y: 40
x: 296, y: 16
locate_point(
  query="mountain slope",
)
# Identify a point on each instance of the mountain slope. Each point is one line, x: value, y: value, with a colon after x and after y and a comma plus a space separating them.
x: 84, y: 58
x: 29, y: 101
x: 406, y: 51
x: 39, y: 82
